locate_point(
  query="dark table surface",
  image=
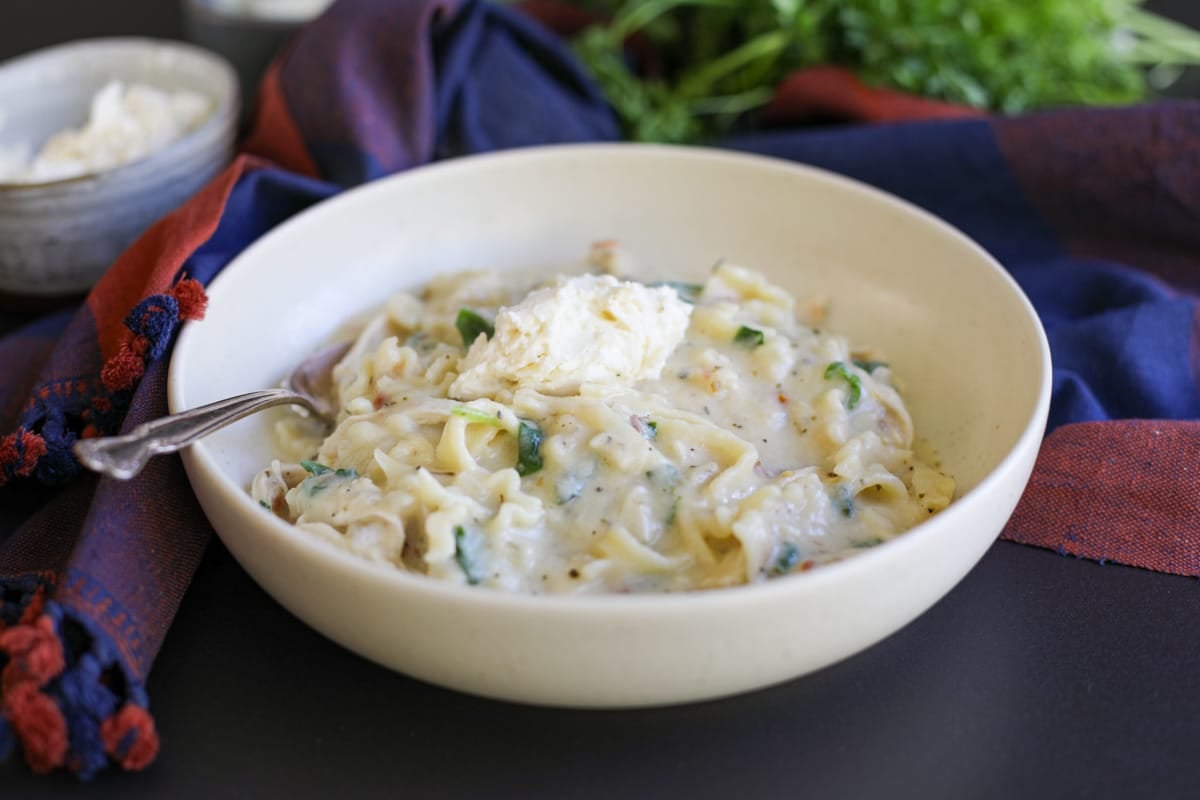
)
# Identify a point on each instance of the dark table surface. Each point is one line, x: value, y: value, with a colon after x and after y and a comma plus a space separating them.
x: 1038, y: 676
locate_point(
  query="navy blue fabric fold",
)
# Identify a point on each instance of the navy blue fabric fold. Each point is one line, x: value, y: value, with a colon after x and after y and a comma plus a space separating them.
x: 487, y: 57
x: 1120, y: 339
x: 375, y: 89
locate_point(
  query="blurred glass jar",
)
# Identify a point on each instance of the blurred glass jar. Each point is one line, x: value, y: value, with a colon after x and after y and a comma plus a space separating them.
x: 247, y: 32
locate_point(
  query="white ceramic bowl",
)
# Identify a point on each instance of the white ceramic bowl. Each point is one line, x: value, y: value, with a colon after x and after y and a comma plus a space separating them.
x: 955, y: 326
x: 59, y: 237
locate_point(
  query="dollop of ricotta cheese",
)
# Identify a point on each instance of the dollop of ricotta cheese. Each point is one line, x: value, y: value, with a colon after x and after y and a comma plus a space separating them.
x: 585, y: 329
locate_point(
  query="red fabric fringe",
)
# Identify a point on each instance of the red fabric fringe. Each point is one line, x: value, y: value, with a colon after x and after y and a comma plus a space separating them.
x: 130, y: 738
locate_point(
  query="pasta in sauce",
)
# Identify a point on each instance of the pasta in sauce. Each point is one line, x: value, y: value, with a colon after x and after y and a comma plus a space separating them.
x: 592, y: 434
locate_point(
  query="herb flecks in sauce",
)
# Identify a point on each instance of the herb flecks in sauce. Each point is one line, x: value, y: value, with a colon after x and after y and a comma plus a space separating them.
x: 854, y: 385
x: 688, y: 292
x: 786, y: 561
x: 844, y: 500
x: 748, y: 338
x: 322, y: 477
x: 471, y: 324
x: 529, y: 448
x: 466, y: 553
x: 647, y: 427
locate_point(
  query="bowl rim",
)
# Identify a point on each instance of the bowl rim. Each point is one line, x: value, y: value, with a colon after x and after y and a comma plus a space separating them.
x: 197, y: 458
x: 205, y: 11
x: 223, y: 118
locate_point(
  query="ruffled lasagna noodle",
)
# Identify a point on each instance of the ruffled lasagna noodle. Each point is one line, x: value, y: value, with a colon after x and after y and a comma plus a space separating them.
x: 602, y: 435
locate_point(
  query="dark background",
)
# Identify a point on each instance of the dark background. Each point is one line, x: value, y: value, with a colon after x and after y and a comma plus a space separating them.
x: 1039, y: 676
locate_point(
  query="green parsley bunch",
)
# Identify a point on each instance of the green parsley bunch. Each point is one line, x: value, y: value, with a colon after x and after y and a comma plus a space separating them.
x: 718, y: 59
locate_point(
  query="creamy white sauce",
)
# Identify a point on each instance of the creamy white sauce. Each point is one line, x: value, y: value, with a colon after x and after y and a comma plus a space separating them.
x: 687, y: 438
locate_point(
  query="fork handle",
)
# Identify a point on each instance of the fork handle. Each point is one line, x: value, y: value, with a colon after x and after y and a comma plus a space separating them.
x: 123, y: 456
